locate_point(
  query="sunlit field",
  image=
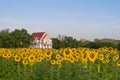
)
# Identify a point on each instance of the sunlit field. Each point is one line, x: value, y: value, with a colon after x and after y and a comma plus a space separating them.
x: 62, y: 64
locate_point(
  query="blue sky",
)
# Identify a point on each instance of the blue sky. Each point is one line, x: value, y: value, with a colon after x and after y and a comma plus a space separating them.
x: 81, y: 19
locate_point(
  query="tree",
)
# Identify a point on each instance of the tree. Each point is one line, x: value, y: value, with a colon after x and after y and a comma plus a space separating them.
x: 65, y: 41
x: 69, y: 42
x: 108, y: 44
x: 118, y: 46
x: 94, y: 45
x: 3, y: 33
x: 56, y: 43
x: 1, y: 38
x: 8, y: 41
x: 83, y: 43
x: 17, y: 38
x: 75, y: 43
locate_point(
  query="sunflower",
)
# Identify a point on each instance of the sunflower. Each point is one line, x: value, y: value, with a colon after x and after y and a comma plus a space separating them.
x: 31, y: 58
x: 101, y: 57
x: 15, y: 54
x: 107, y: 55
x: 71, y: 59
x: 66, y: 57
x: 39, y: 59
x: 24, y: 56
x: 25, y: 62
x: 73, y: 50
x: 110, y: 49
x: 84, y: 57
x: 115, y: 51
x: 9, y: 55
x: 117, y: 56
x: 17, y: 58
x: 58, y: 56
x: 48, y: 53
x: 42, y: 56
x: 107, y: 60
x: 76, y: 54
x: 58, y: 62
x: 76, y: 59
x: 93, y: 56
x: 52, y: 62
x: 67, y: 52
x: 114, y: 58
x: 118, y: 63
x: 4, y: 55
x: 48, y: 58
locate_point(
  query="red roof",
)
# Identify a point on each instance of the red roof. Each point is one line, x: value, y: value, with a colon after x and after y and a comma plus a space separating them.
x: 38, y: 35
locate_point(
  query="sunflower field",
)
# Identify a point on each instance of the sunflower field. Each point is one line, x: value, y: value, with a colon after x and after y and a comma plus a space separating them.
x: 62, y: 64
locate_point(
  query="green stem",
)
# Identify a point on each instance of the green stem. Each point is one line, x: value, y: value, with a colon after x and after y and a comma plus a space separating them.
x: 103, y: 70
x: 25, y: 72
x: 116, y: 72
x: 18, y: 71
x: 106, y: 71
x: 58, y: 73
x: 51, y: 72
x: 99, y: 70
x: 31, y: 70
x: 79, y: 65
x: 90, y: 67
x: 67, y: 70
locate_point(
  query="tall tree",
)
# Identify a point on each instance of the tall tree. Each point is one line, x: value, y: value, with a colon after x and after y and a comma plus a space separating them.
x: 118, y: 46
x: 3, y: 33
x: 56, y: 43
x: 17, y: 38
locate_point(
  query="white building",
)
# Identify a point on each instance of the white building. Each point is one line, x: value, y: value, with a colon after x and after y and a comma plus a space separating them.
x: 41, y: 40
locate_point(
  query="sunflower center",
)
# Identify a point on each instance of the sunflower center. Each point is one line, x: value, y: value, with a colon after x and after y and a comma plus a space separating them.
x: 67, y: 52
x: 118, y: 62
x: 31, y: 58
x: 84, y: 56
x: 5, y: 54
x: 92, y: 55
x: 17, y: 58
x: 24, y: 55
x: 48, y: 53
x: 101, y: 57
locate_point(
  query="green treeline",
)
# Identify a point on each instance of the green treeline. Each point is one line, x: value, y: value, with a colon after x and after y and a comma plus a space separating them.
x: 73, y: 43
x: 17, y: 38
x: 21, y: 38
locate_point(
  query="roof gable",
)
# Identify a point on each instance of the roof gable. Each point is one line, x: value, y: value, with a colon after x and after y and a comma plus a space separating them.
x: 39, y: 35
